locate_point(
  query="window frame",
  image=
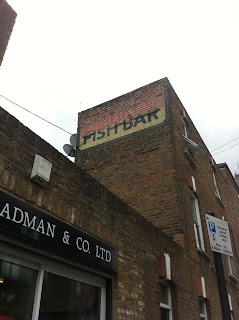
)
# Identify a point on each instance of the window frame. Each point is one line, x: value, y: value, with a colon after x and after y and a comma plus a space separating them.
x: 203, y: 316
x: 230, y: 305
x: 217, y: 193
x: 184, y: 126
x: 43, y: 264
x: 197, y: 225
x: 169, y: 296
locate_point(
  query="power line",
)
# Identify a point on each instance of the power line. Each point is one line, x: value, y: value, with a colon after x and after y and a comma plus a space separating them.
x: 225, y: 149
x: 225, y: 144
x: 71, y: 133
x: 35, y: 114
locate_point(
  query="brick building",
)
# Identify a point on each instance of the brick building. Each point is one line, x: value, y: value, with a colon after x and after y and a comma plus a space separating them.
x: 7, y: 21
x: 122, y: 234
x: 72, y: 242
x: 70, y: 248
x: 144, y: 148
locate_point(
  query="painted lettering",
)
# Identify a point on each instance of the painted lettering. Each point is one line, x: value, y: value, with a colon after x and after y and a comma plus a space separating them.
x: 89, y: 137
x: 19, y: 216
x: 50, y: 229
x: 83, y: 245
x: 100, y: 134
x: 122, y: 129
x: 27, y: 223
x: 102, y: 254
x: 108, y: 256
x: 115, y: 128
x: 153, y: 115
x: 139, y: 120
x: 40, y: 227
x: 127, y: 124
x: 16, y: 215
x: 6, y: 211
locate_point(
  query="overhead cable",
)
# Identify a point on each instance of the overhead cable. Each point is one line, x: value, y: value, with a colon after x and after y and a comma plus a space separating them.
x: 35, y: 114
x: 226, y: 149
x: 225, y: 144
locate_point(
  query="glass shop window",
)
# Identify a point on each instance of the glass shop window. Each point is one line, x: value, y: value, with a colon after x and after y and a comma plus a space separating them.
x: 17, y: 287
x: 49, y: 293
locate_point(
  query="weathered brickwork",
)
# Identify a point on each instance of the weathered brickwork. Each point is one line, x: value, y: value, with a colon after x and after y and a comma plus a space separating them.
x: 152, y: 164
x: 225, y: 205
x: 151, y: 171
x: 78, y: 199
x: 135, y: 112
x: 129, y: 105
x: 7, y: 21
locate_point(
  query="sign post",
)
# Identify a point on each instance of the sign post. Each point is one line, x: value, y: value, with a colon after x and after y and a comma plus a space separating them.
x: 220, y: 243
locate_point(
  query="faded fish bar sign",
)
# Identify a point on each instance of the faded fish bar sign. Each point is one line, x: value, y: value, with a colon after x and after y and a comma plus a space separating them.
x: 125, y: 127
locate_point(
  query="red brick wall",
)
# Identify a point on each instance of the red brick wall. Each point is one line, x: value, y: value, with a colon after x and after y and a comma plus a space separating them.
x: 136, y: 111
x: 7, y: 21
x: 131, y: 104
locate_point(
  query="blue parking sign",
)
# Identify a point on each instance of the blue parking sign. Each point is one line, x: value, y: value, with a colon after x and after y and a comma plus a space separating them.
x: 212, y: 226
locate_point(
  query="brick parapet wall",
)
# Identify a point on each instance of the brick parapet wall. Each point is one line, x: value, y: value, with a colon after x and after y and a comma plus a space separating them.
x: 7, y: 21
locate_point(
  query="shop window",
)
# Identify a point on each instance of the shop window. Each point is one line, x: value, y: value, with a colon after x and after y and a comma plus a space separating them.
x: 49, y: 292
x: 165, y: 301
x: 203, y: 309
x: 17, y: 287
x: 197, y: 222
x: 64, y: 298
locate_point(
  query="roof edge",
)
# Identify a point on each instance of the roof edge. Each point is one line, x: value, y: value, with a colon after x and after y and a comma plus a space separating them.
x: 224, y: 166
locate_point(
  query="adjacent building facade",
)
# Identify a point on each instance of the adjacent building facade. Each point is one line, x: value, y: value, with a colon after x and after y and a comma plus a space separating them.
x: 7, y: 21
x: 144, y: 148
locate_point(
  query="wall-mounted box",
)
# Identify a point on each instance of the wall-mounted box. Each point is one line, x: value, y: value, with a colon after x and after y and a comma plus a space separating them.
x: 41, y: 169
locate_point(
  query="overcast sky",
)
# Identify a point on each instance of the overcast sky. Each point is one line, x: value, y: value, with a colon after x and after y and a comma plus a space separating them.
x: 67, y: 56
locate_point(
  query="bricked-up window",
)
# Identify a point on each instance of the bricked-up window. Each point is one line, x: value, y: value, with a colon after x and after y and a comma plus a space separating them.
x: 165, y: 301
x: 197, y: 222
x: 203, y: 309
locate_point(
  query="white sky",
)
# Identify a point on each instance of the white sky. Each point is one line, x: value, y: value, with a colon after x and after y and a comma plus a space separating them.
x: 67, y: 56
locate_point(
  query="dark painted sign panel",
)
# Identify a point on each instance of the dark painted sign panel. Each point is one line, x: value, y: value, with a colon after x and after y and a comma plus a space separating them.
x: 21, y: 219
